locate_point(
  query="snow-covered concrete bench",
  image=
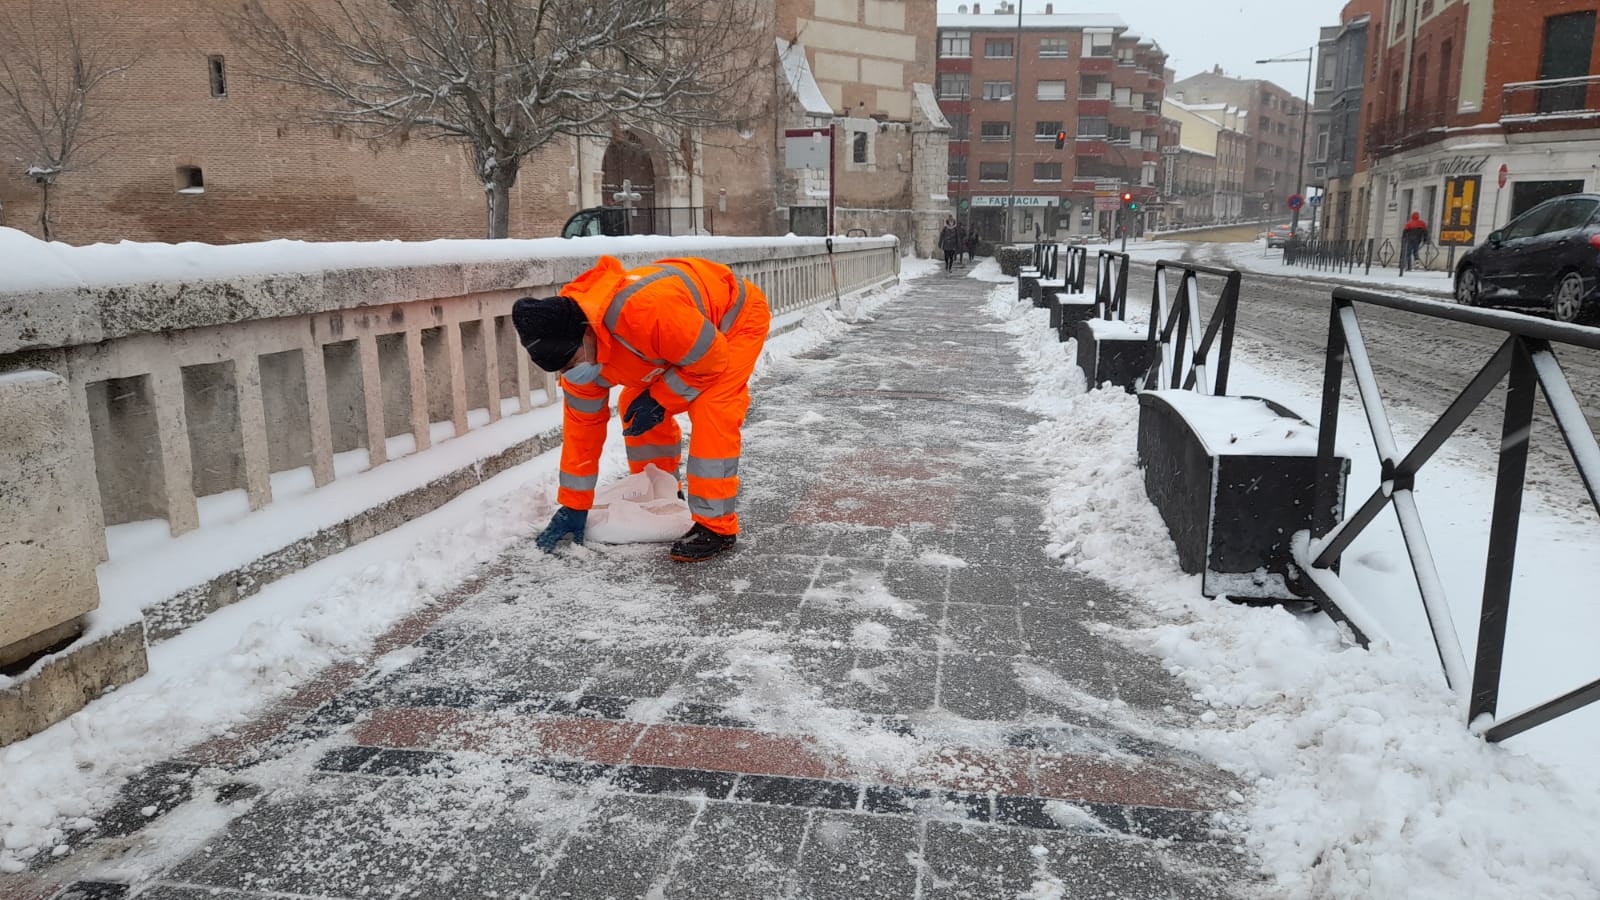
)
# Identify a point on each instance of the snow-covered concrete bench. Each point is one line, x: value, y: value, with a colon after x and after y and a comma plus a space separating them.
x: 1234, y: 479
x: 1028, y: 286
x: 1109, y: 351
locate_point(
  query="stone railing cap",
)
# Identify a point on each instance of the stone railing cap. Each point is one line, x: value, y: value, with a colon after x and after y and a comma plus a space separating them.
x: 62, y: 296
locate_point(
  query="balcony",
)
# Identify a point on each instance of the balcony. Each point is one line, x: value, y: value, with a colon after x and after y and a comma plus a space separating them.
x: 1412, y: 128
x: 1095, y: 65
x: 1552, y: 104
x: 1094, y: 106
x: 1091, y: 146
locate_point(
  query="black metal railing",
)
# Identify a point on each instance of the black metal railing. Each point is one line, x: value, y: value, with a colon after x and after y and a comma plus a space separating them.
x: 1183, y: 354
x: 1525, y: 359
x: 1046, y: 258
x: 1077, y: 267
x: 1330, y: 255
x: 1111, y: 286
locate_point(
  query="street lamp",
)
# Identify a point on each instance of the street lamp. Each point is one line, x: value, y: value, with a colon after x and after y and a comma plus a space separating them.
x: 1305, y: 120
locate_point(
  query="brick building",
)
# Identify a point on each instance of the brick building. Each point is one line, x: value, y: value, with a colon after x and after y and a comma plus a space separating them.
x: 1273, y: 117
x: 1462, y: 95
x: 1009, y: 85
x: 197, y: 151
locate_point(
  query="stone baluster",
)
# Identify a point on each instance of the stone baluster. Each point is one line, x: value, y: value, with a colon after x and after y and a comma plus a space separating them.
x: 252, y: 429
x: 177, y: 464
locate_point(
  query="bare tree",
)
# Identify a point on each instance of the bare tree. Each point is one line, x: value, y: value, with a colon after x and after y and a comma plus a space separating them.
x: 507, y: 77
x: 51, y: 71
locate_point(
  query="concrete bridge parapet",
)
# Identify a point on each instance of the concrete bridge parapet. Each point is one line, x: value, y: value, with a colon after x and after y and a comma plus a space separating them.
x: 132, y: 392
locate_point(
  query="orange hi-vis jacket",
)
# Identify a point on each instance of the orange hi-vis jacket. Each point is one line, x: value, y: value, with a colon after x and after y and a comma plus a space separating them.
x: 689, y: 331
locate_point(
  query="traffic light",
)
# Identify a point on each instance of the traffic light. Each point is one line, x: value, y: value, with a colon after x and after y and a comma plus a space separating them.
x: 1061, y: 139
x: 1127, y: 200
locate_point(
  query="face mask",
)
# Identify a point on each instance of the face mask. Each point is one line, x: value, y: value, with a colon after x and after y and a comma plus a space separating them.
x: 583, y: 373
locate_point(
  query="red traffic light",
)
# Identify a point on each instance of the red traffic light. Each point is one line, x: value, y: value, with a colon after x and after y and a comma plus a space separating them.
x: 1061, y: 139
x: 1127, y: 198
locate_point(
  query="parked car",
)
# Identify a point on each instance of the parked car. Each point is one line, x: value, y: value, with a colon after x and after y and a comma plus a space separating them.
x: 1547, y: 257
x: 1278, y: 235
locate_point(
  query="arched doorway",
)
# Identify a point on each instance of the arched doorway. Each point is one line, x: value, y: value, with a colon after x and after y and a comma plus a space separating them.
x: 627, y: 159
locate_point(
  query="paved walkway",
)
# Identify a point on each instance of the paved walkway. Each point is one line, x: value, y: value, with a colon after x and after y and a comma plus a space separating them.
x: 887, y: 691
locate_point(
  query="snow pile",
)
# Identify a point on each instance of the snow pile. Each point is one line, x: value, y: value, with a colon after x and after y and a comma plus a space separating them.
x: 1367, y: 783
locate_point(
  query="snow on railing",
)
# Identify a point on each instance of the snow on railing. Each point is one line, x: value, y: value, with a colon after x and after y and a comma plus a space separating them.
x: 1550, y: 100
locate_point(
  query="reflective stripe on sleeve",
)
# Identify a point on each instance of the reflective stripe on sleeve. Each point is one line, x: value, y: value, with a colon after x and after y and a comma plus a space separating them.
x: 711, y: 509
x: 579, y: 482
x: 647, y: 452
x: 678, y: 386
x: 702, y: 345
x: 585, y: 404
x: 700, y: 467
x: 732, y: 315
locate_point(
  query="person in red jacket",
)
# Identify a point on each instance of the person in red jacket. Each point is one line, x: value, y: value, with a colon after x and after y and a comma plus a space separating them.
x: 678, y: 335
x: 1412, y: 237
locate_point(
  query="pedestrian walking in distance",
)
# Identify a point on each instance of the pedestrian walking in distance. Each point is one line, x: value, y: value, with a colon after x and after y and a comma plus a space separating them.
x: 950, y: 242
x: 678, y: 336
x: 1412, y: 237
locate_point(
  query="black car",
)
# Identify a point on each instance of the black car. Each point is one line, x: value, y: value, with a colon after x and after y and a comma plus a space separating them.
x: 1549, y: 256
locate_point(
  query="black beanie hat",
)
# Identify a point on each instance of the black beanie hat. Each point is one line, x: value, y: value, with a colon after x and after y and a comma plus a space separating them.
x: 550, y: 329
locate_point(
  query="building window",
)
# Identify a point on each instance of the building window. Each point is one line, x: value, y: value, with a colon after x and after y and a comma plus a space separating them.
x: 1122, y: 98
x: 1047, y: 171
x: 191, y: 180
x: 995, y: 48
x: 1052, y: 90
x: 955, y: 44
x: 1046, y: 131
x: 997, y: 90
x: 954, y: 85
x: 1094, y: 89
x: 858, y: 147
x: 1053, y: 48
x: 1322, y: 142
x: 958, y: 167
x: 958, y: 126
x: 1568, y: 49
x: 1092, y: 127
x: 1097, y: 43
x: 219, y: 75
x: 993, y: 171
x: 996, y: 131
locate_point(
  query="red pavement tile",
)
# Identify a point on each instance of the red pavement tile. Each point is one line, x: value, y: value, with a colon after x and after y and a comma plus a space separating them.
x: 589, y: 740
x: 729, y: 750
x: 967, y: 769
x: 26, y: 887
x: 329, y: 683
x: 237, y: 744
x: 1084, y: 778
x: 409, y: 727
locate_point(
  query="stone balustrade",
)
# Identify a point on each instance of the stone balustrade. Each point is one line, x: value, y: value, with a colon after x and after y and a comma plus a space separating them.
x: 133, y: 402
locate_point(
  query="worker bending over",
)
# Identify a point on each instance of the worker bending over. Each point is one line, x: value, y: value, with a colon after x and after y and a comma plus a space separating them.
x: 678, y: 335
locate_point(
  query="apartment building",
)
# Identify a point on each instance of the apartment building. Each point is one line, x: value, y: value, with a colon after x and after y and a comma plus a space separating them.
x: 1339, y: 163
x: 1011, y: 85
x: 1213, y: 157
x: 1274, y: 118
x: 1478, y: 111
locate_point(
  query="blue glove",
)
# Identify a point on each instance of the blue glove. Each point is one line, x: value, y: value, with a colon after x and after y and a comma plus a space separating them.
x: 643, y: 414
x: 566, y: 521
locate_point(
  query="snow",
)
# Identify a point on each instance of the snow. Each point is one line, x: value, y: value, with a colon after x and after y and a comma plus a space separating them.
x: 798, y: 72
x: 58, y: 266
x: 1366, y: 781
x: 225, y: 670
x: 1255, y: 258
x: 1116, y: 330
x: 1241, y: 426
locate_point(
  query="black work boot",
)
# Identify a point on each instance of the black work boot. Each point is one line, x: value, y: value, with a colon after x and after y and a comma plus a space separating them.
x: 700, y: 544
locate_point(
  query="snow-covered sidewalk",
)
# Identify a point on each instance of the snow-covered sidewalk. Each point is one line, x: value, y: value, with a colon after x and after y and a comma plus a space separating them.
x: 952, y: 656
x: 1257, y: 259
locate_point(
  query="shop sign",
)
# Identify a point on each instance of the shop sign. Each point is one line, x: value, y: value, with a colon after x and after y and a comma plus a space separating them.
x: 1460, y: 211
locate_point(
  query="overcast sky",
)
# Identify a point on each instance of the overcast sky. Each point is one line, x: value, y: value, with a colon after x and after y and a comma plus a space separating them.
x: 1198, y: 34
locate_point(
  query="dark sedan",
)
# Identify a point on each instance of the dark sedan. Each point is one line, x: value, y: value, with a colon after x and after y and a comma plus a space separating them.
x: 1547, y: 257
